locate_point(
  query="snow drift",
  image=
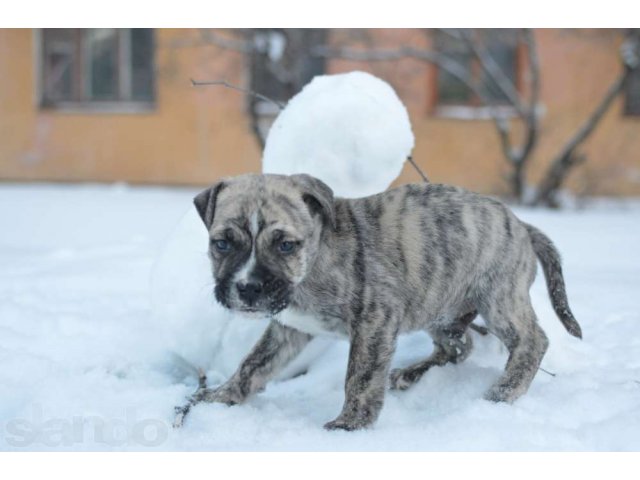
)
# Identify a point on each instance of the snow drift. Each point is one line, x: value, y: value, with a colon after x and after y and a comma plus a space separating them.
x: 82, y: 366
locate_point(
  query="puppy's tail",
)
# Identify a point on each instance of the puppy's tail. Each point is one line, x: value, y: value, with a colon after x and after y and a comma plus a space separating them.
x: 550, y: 259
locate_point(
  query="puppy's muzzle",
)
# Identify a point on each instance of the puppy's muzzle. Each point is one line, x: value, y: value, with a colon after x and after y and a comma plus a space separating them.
x: 249, y: 292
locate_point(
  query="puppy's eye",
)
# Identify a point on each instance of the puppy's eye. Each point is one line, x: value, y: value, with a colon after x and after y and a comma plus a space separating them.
x: 221, y: 245
x: 286, y: 246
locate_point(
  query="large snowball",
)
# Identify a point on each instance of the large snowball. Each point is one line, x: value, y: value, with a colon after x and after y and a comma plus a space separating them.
x: 349, y: 130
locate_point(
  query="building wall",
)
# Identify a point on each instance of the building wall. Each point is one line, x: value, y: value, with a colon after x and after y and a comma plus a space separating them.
x: 577, y: 67
x: 193, y: 136
x: 198, y: 134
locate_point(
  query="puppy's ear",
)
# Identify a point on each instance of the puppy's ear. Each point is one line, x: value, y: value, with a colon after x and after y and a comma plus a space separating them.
x: 318, y: 196
x: 205, y: 203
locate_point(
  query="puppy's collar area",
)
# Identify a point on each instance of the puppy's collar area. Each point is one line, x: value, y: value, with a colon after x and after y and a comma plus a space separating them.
x: 307, y: 322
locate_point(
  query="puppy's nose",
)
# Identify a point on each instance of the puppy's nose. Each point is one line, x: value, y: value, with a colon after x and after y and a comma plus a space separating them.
x: 250, y: 291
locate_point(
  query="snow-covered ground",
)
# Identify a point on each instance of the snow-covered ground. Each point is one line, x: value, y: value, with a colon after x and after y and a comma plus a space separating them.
x: 84, y: 365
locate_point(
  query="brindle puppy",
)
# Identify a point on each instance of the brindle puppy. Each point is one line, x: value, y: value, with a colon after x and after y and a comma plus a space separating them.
x: 418, y: 257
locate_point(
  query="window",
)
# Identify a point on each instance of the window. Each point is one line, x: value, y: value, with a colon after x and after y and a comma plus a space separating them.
x: 281, y: 65
x: 99, y: 69
x: 501, y: 44
x: 632, y: 94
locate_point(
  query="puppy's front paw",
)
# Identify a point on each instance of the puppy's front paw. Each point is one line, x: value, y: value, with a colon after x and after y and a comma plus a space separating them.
x: 342, y: 423
x: 225, y: 394
x: 500, y: 394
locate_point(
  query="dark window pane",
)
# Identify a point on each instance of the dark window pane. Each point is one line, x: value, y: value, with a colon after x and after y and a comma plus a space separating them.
x: 60, y: 63
x: 102, y: 44
x: 501, y: 44
x: 142, y: 64
x: 97, y: 65
x: 282, y: 63
x: 632, y: 98
x: 452, y: 91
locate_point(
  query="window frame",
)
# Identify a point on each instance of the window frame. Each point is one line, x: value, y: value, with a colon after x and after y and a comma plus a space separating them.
x: 125, y: 83
x: 474, y: 109
x: 258, y: 72
x: 628, y: 109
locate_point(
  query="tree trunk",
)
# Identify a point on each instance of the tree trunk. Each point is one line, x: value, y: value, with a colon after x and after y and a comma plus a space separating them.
x: 568, y: 157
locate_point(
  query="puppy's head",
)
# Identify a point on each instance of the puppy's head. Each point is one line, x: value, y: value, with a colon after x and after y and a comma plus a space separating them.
x: 264, y: 235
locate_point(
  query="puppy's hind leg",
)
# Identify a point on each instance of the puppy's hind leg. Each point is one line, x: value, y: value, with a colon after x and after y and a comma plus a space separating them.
x: 403, y: 378
x: 515, y: 323
x: 452, y: 344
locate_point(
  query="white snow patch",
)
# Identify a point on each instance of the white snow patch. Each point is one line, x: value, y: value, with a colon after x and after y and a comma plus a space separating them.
x: 84, y: 363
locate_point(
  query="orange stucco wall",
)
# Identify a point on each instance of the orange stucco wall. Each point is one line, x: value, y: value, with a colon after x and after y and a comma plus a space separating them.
x: 196, y: 135
x: 193, y: 135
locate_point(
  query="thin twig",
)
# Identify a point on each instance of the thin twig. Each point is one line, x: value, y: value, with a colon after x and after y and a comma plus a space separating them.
x: 224, y: 83
x: 181, y: 412
x: 518, y: 157
x: 454, y: 68
x: 567, y: 158
x: 547, y: 371
x: 242, y: 46
x: 534, y: 69
x: 479, y: 328
x: 418, y: 169
x: 493, y: 71
x: 531, y: 120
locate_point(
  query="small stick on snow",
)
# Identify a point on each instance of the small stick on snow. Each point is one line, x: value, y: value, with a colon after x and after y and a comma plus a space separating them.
x: 181, y: 412
x: 547, y: 372
x: 479, y: 328
x: 239, y: 89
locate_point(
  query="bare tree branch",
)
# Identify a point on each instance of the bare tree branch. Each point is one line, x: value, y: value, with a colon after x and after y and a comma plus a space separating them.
x: 208, y: 35
x: 224, y: 83
x: 452, y: 67
x: 534, y: 87
x: 530, y: 119
x: 442, y: 61
x: 254, y: 117
x: 568, y: 158
x: 516, y: 157
x: 493, y: 71
x: 253, y: 111
x: 278, y: 61
x: 504, y: 135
